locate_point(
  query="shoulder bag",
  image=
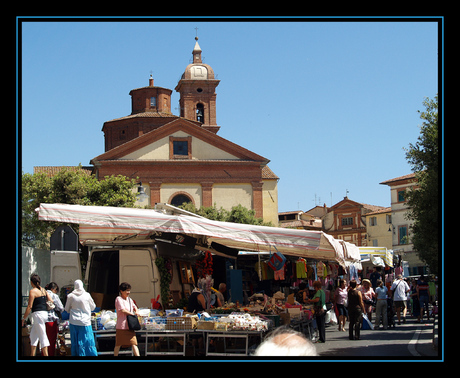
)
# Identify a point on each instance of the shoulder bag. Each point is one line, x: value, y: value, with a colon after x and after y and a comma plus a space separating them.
x: 49, y: 304
x: 133, y: 321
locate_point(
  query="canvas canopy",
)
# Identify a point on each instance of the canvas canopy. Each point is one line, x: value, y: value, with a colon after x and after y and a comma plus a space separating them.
x: 379, y: 256
x: 105, y: 223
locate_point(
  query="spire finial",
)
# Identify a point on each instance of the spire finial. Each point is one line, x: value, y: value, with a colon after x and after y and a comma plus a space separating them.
x: 196, y: 35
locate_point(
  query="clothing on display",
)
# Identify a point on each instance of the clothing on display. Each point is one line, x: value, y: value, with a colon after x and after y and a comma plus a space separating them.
x: 301, y: 268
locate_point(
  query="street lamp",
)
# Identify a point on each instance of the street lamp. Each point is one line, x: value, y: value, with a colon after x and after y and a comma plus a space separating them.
x: 141, y: 195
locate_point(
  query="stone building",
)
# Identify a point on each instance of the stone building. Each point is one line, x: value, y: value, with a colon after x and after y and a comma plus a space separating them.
x: 181, y: 158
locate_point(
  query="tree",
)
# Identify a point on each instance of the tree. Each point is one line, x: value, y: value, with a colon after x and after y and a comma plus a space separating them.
x: 423, y: 201
x: 71, y: 187
x: 238, y: 214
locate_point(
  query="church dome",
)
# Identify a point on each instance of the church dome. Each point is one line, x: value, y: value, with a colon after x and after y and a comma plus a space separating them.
x: 198, y: 70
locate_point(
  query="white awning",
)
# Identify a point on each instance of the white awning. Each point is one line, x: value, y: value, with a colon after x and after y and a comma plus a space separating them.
x: 97, y: 219
x: 377, y: 255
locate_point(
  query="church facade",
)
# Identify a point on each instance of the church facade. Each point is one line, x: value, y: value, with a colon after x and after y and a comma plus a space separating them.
x: 181, y: 158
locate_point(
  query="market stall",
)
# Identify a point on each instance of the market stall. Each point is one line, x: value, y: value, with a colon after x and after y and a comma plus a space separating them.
x: 239, y: 324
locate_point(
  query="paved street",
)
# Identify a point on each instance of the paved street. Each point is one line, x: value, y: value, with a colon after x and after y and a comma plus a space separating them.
x: 411, y: 340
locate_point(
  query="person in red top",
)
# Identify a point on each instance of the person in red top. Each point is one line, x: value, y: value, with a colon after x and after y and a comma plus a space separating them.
x: 423, y: 297
x: 125, y: 306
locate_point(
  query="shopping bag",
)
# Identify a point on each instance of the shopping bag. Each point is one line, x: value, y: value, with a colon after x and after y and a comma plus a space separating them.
x: 277, y: 261
x: 367, y: 323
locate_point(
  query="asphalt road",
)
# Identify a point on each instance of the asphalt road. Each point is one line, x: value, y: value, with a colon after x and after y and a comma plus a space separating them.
x: 406, y: 341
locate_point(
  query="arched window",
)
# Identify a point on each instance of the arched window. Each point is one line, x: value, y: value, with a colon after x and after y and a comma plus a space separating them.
x: 200, y: 112
x: 179, y: 199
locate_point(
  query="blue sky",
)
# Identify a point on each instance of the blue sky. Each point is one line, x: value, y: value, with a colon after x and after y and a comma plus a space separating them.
x: 331, y: 104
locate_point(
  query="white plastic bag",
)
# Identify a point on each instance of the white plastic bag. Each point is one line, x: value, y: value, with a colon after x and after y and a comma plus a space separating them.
x: 108, y: 319
x: 331, y: 317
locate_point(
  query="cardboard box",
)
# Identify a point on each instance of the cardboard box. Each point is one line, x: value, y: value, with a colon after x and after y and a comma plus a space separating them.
x: 206, y: 324
x: 104, y: 301
x: 294, y: 312
x: 181, y: 322
x: 285, y: 318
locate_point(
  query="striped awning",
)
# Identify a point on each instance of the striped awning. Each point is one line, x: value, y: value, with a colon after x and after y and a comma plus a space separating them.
x: 106, y: 222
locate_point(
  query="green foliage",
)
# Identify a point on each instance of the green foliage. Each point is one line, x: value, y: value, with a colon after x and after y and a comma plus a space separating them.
x: 165, y: 269
x: 71, y: 187
x: 238, y: 214
x: 423, y: 201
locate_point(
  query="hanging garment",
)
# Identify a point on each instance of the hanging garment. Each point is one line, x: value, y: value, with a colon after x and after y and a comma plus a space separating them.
x: 301, y: 269
x: 279, y: 274
x: 320, y: 269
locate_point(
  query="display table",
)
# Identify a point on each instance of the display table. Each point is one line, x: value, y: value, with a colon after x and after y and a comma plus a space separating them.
x: 146, y: 337
x: 238, y: 350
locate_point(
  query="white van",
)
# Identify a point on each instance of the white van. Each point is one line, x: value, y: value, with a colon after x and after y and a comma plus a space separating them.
x: 108, y: 267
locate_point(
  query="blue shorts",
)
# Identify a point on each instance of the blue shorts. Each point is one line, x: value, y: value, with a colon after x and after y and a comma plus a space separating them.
x: 342, y: 310
x: 424, y: 301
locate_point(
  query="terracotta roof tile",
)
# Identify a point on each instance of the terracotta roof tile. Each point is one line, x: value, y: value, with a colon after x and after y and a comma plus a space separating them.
x: 268, y: 174
x: 405, y: 177
x: 51, y: 171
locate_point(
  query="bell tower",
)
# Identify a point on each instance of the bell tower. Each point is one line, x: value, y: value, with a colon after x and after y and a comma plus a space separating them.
x: 197, y: 88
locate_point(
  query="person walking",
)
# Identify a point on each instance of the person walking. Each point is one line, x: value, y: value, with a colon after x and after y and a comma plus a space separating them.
x: 423, y: 297
x: 79, y: 306
x: 355, y: 311
x: 319, y: 300
x: 125, y: 306
x: 399, y: 290
x: 368, y: 295
x: 52, y: 324
x: 340, y: 302
x: 37, y: 306
x: 381, y: 307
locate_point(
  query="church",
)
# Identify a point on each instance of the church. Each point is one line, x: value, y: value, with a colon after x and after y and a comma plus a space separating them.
x: 181, y: 158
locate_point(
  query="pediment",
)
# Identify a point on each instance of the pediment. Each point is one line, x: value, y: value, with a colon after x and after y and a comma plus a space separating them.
x: 346, y: 203
x: 155, y: 145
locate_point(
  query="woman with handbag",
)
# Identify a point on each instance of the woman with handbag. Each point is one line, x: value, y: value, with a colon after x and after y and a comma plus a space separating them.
x: 127, y: 312
x: 368, y: 295
x: 38, y: 305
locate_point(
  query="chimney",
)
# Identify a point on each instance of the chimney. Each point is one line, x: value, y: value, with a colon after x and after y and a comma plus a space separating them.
x: 151, y: 81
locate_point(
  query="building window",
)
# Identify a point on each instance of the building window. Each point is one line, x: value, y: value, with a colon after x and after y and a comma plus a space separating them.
x: 153, y: 102
x: 180, y: 199
x: 388, y: 218
x: 373, y: 221
x: 401, y: 195
x: 403, y: 237
x: 347, y: 221
x: 180, y: 148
